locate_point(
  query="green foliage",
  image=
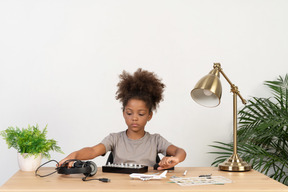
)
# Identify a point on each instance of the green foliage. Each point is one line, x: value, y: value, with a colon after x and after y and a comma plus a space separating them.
x: 262, y: 133
x: 30, y: 140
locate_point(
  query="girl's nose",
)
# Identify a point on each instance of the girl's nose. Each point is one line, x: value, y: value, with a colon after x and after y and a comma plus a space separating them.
x: 134, y: 118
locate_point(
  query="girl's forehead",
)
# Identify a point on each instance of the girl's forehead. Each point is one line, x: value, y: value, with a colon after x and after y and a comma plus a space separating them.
x: 136, y: 104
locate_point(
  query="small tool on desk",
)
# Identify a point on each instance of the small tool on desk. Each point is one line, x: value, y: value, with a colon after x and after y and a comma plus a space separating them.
x: 185, y: 172
x: 207, y: 176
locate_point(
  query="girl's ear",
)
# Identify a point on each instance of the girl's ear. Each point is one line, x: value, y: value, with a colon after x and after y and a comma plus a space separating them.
x: 123, y: 113
x: 150, y: 116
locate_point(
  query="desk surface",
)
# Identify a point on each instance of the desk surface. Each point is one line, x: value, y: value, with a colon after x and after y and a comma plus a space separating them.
x: 241, y: 181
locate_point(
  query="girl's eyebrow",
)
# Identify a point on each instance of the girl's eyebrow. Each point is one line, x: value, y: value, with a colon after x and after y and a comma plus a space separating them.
x: 140, y: 110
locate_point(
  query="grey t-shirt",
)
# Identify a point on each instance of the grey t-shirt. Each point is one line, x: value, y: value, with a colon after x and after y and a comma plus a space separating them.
x: 141, y: 151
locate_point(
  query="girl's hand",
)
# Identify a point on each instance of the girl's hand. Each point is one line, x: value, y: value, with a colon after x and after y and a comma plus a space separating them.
x: 70, y: 164
x: 168, y: 162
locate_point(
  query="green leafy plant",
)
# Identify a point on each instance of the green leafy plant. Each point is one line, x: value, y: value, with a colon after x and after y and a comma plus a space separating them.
x: 30, y: 140
x: 263, y: 133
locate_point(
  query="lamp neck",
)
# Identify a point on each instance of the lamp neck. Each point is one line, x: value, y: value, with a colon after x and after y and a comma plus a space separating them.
x: 215, y: 72
x: 234, y: 89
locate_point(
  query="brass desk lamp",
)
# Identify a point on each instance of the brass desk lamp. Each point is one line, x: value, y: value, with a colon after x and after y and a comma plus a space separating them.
x: 207, y: 92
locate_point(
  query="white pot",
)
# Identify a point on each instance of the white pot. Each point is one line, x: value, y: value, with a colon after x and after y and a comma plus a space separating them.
x: 29, y: 163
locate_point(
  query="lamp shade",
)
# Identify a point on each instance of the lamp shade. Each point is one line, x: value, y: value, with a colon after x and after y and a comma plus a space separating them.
x: 208, y: 90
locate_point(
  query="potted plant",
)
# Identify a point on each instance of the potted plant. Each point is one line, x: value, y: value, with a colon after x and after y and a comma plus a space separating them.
x: 31, y: 145
x: 263, y: 133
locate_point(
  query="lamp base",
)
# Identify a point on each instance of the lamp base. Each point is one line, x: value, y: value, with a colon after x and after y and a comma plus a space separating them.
x: 234, y: 163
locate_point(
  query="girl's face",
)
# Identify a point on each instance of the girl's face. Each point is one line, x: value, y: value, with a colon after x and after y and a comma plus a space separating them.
x: 136, y: 115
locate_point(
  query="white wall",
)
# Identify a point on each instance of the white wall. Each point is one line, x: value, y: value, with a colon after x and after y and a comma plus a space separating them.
x: 60, y: 61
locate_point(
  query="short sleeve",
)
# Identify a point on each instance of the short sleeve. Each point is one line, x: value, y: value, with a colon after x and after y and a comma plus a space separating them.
x: 109, y: 142
x: 162, y: 144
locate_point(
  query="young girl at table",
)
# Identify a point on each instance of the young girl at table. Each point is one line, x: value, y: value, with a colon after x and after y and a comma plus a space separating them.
x: 140, y: 95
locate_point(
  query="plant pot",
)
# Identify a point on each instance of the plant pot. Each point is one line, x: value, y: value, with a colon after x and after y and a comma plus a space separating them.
x: 28, y: 163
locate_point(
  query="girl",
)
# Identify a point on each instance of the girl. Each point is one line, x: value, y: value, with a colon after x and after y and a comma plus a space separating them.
x: 140, y: 95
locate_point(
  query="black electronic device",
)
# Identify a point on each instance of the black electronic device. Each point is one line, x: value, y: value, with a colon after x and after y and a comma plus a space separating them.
x: 125, y: 168
x: 155, y: 167
x: 88, y: 168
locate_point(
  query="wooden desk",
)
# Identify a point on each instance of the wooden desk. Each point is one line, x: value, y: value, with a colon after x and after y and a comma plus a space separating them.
x: 242, y: 181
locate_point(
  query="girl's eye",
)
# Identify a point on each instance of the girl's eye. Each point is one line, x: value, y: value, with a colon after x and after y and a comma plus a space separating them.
x: 141, y: 114
x: 129, y: 113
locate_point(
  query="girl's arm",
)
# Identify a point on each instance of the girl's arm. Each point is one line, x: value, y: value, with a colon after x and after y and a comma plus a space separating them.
x: 176, y: 154
x: 85, y: 154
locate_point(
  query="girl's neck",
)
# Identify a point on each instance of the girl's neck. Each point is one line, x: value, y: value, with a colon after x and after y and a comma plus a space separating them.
x: 135, y: 135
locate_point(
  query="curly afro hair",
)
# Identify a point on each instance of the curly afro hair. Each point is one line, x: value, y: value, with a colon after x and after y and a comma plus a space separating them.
x: 143, y: 85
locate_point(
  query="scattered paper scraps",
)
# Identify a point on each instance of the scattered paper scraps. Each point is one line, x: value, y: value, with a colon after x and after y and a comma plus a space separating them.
x: 190, y: 181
